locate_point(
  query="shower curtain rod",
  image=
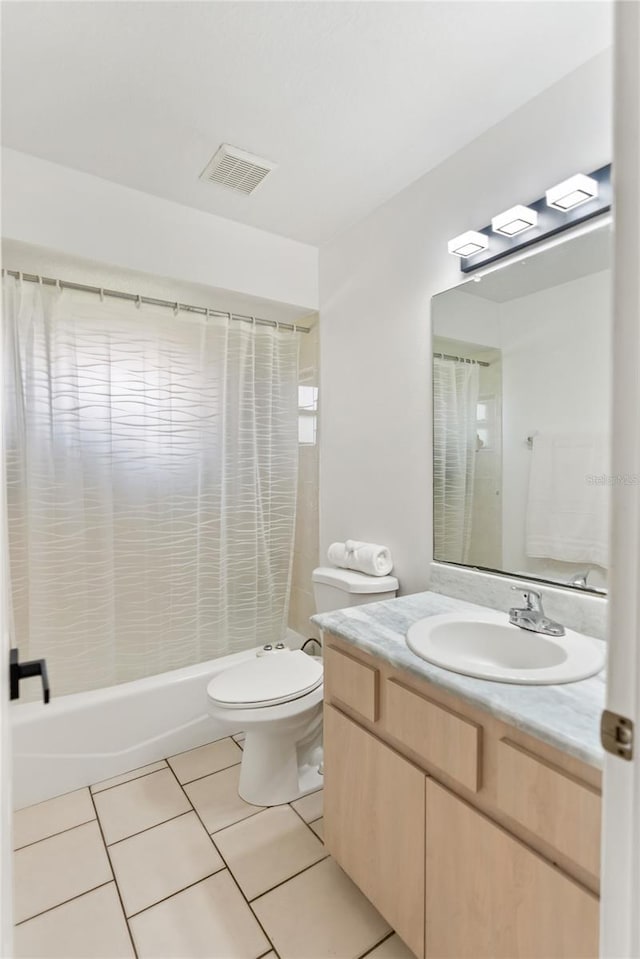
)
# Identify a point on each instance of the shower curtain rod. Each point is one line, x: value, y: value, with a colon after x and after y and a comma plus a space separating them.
x: 460, y: 359
x: 152, y: 301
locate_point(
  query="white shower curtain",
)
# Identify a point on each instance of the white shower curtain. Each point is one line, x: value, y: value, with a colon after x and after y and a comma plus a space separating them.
x: 455, y: 401
x: 152, y: 466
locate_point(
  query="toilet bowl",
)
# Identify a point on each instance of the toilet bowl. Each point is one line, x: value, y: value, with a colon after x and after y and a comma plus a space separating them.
x: 277, y: 701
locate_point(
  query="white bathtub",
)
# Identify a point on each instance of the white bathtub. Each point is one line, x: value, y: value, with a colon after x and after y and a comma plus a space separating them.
x: 83, y: 738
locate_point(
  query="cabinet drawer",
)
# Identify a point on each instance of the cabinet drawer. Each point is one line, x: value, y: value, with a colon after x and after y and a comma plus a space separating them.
x: 442, y: 738
x: 562, y: 810
x: 352, y: 683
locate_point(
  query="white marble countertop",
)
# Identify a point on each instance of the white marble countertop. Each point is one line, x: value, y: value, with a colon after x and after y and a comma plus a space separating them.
x: 566, y: 716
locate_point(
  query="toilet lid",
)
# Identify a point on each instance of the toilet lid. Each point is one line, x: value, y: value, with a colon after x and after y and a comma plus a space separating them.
x: 267, y: 680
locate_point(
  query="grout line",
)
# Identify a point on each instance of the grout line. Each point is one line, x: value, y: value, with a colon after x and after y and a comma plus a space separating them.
x: 233, y: 878
x: 239, y: 821
x: 117, y: 842
x: 283, y: 882
x: 202, y: 746
x: 379, y: 943
x: 214, y: 773
x: 299, y: 815
x: 167, y: 765
x: 146, y: 828
x: 133, y: 945
x: 250, y: 816
x: 98, y: 792
x: 64, y: 902
x: 32, y: 805
x: 51, y: 835
x: 177, y: 892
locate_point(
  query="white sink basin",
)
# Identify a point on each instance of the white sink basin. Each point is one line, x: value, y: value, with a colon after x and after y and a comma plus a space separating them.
x: 486, y: 645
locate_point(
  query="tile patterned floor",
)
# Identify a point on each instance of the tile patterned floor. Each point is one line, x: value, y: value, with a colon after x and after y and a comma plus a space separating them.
x: 167, y: 862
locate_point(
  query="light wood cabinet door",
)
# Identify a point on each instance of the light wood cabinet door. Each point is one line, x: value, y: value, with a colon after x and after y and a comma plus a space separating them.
x: 374, y: 816
x: 490, y: 897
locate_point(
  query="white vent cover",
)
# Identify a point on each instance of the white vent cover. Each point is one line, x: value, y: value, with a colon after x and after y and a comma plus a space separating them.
x: 237, y: 169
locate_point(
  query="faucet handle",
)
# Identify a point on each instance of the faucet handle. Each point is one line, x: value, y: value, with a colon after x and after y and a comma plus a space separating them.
x: 532, y: 597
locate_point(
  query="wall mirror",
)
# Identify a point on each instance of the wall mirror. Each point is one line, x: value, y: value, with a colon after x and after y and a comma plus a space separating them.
x: 521, y: 404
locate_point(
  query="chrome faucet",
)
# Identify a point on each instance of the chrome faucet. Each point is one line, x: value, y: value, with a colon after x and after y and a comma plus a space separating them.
x: 532, y: 615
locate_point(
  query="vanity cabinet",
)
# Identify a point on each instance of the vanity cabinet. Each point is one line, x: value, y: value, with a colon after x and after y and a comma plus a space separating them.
x: 472, y: 838
x: 490, y: 897
x: 375, y: 823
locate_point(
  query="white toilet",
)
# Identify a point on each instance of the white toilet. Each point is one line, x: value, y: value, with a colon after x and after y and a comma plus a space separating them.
x: 277, y: 700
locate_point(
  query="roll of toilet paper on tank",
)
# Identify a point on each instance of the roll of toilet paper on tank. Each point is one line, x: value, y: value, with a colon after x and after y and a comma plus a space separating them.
x: 369, y: 558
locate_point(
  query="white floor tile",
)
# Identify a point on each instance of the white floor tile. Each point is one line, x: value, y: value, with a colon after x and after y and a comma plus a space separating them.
x: 89, y: 927
x: 53, y: 870
x: 205, y: 760
x: 391, y: 948
x: 161, y: 861
x: 210, y: 920
x: 140, y: 804
x: 309, y: 807
x: 318, y: 828
x: 48, y: 818
x: 216, y: 799
x: 320, y: 913
x: 128, y: 776
x: 267, y: 849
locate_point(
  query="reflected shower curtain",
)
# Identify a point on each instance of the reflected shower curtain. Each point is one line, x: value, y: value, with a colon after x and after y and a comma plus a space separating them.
x: 152, y: 466
x: 455, y: 401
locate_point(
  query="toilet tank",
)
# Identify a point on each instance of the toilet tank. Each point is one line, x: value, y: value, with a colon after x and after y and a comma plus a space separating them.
x: 338, y: 588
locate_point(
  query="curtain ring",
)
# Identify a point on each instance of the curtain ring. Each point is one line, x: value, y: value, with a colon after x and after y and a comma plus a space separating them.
x: 138, y: 301
x: 40, y: 281
x: 101, y: 295
x: 58, y: 287
x: 20, y: 281
x: 176, y: 309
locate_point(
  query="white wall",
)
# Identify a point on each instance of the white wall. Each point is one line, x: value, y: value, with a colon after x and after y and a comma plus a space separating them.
x: 376, y: 281
x: 25, y: 257
x: 469, y: 319
x: 74, y: 213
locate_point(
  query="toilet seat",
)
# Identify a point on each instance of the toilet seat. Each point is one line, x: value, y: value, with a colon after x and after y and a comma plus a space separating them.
x: 266, y: 681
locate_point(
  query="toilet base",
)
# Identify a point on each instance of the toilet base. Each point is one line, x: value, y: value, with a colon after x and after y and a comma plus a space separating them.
x: 279, y: 766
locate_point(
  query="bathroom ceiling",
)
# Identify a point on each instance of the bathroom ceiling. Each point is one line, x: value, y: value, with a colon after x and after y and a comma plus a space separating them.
x: 352, y: 100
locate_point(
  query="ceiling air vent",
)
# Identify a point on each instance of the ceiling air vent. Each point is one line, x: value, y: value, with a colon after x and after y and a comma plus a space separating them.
x: 236, y: 169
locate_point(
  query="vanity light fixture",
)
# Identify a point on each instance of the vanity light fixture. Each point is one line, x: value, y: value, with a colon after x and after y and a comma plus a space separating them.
x: 468, y: 243
x: 514, y: 221
x: 562, y: 207
x: 570, y: 193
